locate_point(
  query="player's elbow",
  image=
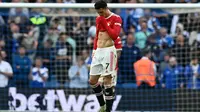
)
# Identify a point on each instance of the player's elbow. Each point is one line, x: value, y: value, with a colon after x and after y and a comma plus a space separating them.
x: 114, y: 37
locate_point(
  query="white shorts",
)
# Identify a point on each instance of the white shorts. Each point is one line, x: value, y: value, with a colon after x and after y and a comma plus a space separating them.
x: 104, y: 61
x: 114, y: 79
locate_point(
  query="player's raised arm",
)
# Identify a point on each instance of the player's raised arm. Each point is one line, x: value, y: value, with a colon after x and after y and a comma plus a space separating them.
x: 115, y: 31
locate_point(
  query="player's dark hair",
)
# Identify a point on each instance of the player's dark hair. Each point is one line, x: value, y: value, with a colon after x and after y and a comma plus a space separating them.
x: 100, y: 4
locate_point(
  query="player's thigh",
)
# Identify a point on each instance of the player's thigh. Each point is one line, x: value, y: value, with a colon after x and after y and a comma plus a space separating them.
x: 109, y: 62
x: 95, y: 73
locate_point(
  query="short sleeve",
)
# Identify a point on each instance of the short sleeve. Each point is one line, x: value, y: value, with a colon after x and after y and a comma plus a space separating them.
x: 9, y: 68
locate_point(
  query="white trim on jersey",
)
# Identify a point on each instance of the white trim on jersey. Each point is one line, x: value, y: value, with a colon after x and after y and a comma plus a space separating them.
x: 110, y: 15
x: 118, y: 24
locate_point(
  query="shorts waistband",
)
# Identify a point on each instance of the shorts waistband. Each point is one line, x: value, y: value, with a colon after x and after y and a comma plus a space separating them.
x: 106, y: 48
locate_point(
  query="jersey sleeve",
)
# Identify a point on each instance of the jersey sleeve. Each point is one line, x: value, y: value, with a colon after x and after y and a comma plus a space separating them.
x: 115, y: 31
x: 95, y: 43
x: 118, y: 43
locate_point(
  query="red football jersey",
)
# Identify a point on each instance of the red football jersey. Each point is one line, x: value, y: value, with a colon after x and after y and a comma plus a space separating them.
x: 114, y: 22
x: 118, y: 46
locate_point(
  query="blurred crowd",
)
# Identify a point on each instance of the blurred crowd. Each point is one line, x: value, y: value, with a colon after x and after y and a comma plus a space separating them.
x: 38, y: 50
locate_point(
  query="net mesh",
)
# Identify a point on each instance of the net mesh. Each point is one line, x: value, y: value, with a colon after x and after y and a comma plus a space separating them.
x: 44, y: 46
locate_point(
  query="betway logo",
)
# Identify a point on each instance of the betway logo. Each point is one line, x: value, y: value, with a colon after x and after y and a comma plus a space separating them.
x: 52, y: 99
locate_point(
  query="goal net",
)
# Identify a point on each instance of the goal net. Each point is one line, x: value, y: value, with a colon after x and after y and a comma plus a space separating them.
x: 49, y: 48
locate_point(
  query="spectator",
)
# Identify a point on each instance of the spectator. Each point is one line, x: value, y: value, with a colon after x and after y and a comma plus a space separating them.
x: 132, y: 29
x: 145, y: 71
x: 192, y: 72
x: 130, y: 54
x: 123, y: 35
x: 135, y: 13
x: 57, y: 24
x: 2, y: 44
x: 192, y: 20
x: 39, y: 74
x: 172, y: 77
x: 91, y: 35
x: 165, y: 41
x: 52, y: 35
x: 19, y: 15
x: 11, y: 46
x: 21, y: 68
x: 78, y: 74
x: 181, y: 51
x: 46, y: 54
x: 63, y: 58
x: 3, y: 55
x: 165, y: 63
x: 30, y: 42
x: 86, y: 56
x: 128, y: 19
x: 15, y: 31
x: 179, y: 30
x: 141, y: 20
x: 141, y: 36
x: 153, y: 45
x: 194, y: 40
x: 151, y: 21
x: 5, y: 72
x: 72, y: 42
x: 78, y: 30
x: 155, y: 50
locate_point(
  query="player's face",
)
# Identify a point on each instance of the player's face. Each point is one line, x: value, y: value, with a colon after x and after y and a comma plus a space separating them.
x: 101, y: 11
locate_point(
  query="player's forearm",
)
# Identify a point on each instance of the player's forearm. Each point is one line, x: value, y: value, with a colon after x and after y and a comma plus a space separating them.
x: 113, y: 33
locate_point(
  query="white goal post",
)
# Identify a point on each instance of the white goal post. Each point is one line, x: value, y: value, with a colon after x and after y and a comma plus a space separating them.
x: 91, y: 5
